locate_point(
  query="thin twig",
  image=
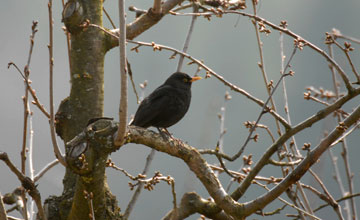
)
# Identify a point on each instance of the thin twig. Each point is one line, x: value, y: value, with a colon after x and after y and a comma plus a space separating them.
x: 26, y: 102
x: 338, y: 34
x: 332, y: 201
x: 262, y: 64
x: 30, y: 153
x: 138, y: 190
x: 349, y: 177
x: 45, y: 169
x: 148, y: 183
x: 182, y: 7
x: 281, y: 163
x: 132, y: 81
x: 188, y: 37
x: 346, y: 51
x: 341, y: 139
x: 173, y: 192
x: 109, y: 18
x: 345, y: 154
x: 220, y: 143
x: 24, y: 141
x: 119, y: 140
x: 89, y: 197
x: 27, y: 112
x: 345, y: 198
x: 286, y: 100
x: 337, y: 176
x: 57, y: 150
x: 241, y: 176
x: 338, y: 179
x: 291, y: 205
x: 262, y: 67
x: 26, y: 97
x: 265, y: 104
x: 32, y: 92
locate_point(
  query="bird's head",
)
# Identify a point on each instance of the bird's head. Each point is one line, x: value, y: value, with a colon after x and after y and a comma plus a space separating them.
x: 180, y: 79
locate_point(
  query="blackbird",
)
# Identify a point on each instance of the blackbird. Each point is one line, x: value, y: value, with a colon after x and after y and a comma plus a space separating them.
x: 167, y: 104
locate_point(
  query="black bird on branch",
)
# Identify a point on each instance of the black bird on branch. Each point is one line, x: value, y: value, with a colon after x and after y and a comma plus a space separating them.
x: 167, y: 104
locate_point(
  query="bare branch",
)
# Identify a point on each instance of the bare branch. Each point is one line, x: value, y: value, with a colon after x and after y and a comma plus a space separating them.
x: 342, y: 138
x: 26, y: 97
x: 109, y: 18
x: 132, y: 81
x: 145, y: 21
x: 157, y: 7
x: 89, y: 197
x: 273, y: 148
x: 330, y: 199
x: 3, y: 215
x: 287, y: 32
x: 188, y: 37
x: 137, y: 192
x: 27, y: 183
x: 336, y: 33
x: 280, y: 163
x: 345, y: 198
x: 311, y: 215
x: 346, y: 51
x: 45, y: 169
x: 57, y: 151
x: 337, y: 176
x: 302, y: 168
x: 32, y: 92
x: 263, y: 108
x: 119, y: 140
x: 192, y: 158
x: 192, y: 203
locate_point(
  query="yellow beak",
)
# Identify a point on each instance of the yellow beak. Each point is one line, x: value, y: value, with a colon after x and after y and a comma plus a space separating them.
x: 195, y: 78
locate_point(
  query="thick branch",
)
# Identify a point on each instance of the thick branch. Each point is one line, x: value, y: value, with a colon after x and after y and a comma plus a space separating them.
x: 145, y: 21
x: 193, y: 159
x: 192, y: 203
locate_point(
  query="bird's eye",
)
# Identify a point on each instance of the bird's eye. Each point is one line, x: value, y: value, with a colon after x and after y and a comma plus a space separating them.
x: 185, y: 80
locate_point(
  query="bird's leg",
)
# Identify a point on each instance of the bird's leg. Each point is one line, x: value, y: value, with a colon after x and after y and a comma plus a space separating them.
x: 167, y: 132
x: 164, y: 131
x: 163, y: 135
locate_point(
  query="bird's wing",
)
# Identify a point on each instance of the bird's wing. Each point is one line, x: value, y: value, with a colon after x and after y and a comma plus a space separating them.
x: 152, y: 106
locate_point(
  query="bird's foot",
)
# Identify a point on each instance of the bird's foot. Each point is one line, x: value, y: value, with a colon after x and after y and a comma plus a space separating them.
x: 165, y: 133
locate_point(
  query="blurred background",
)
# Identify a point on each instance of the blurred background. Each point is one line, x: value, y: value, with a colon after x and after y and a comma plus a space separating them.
x: 227, y: 45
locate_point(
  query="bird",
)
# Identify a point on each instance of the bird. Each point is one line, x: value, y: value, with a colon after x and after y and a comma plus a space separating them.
x: 167, y: 104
